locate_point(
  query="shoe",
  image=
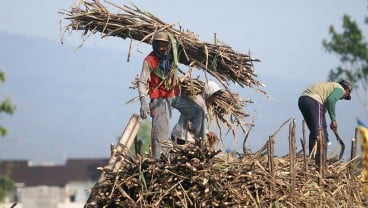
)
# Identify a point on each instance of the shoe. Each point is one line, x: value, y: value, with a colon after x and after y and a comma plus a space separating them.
x: 329, y: 143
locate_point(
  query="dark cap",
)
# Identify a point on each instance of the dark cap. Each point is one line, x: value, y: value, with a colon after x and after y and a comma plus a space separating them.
x: 347, y: 86
x: 161, y: 35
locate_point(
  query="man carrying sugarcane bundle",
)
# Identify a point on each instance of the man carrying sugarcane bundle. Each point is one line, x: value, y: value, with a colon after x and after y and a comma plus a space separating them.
x: 159, y: 80
x: 183, y: 131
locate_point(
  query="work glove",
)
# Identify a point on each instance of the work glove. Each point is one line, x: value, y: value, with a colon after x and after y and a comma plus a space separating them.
x: 144, y: 111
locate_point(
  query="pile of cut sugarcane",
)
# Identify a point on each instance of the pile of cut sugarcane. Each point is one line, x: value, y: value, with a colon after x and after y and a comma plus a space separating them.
x: 196, y: 176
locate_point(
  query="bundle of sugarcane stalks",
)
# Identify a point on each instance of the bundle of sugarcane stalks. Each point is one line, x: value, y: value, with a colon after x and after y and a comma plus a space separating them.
x: 220, y: 61
x: 224, y: 106
x: 196, y: 176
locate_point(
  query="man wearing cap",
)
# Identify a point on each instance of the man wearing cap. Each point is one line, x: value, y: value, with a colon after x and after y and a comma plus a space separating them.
x: 313, y: 104
x: 159, y: 80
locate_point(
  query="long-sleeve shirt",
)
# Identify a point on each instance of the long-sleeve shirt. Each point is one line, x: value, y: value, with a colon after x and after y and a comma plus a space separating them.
x: 143, y: 80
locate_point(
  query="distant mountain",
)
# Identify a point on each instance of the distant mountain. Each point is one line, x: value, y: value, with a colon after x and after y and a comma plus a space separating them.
x: 67, y: 103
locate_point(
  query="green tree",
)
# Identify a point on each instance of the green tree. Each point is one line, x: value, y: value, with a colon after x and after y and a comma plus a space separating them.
x: 352, y: 49
x: 6, y: 185
x: 5, y: 106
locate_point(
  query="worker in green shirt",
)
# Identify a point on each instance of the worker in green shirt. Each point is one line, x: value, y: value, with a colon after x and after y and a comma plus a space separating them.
x: 315, y: 101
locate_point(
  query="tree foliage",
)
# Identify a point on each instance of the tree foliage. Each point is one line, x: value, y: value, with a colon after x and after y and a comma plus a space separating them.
x: 6, y: 185
x: 352, y: 49
x: 5, y: 106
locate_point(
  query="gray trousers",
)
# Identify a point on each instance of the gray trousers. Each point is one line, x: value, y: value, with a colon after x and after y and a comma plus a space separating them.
x: 161, y: 113
x: 191, y: 122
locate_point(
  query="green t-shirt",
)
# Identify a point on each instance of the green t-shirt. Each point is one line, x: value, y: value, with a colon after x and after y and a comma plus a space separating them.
x: 326, y: 93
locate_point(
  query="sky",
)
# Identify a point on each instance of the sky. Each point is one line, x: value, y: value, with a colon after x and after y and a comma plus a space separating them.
x: 71, y: 102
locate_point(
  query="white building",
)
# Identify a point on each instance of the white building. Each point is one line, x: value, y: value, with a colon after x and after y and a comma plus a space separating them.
x: 51, y: 186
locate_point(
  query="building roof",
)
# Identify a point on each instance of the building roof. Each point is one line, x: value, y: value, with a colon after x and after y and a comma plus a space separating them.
x: 74, y: 170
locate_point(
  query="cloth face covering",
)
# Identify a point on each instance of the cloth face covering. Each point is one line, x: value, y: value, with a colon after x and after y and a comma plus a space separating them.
x: 165, y: 59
